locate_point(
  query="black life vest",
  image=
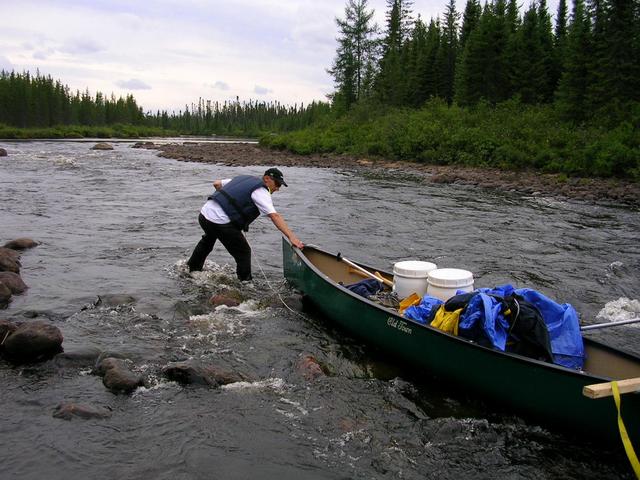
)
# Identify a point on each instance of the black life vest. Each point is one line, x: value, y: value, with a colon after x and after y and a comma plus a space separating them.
x: 235, y: 200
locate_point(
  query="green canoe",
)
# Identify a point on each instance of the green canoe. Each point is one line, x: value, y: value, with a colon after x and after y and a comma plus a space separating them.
x: 548, y: 393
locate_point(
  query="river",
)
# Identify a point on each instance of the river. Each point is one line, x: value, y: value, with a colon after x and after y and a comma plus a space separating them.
x: 125, y: 221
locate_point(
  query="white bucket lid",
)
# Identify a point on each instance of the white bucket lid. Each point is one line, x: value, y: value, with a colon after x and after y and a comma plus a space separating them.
x: 413, y: 268
x: 450, y: 278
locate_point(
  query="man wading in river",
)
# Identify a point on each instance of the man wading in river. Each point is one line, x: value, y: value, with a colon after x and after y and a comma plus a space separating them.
x: 230, y: 209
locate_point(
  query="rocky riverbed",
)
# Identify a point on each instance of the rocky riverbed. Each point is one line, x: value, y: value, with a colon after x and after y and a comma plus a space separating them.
x: 615, y: 191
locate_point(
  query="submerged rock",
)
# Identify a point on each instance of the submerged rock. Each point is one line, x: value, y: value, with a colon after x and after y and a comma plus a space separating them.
x: 221, y: 299
x: 5, y: 295
x: 6, y: 329
x: 190, y: 372
x: 117, y: 376
x: 33, y: 341
x: 67, y: 411
x: 81, y: 357
x: 21, y: 244
x: 113, y: 300
x: 13, y: 281
x: 102, y: 146
x: 3, y: 152
x: 310, y: 368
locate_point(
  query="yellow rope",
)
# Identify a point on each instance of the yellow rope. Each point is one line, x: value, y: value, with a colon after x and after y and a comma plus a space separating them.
x: 623, y: 433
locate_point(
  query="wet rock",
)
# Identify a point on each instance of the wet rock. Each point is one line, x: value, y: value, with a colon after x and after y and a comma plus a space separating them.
x: 33, y: 341
x: 9, y: 253
x: 221, y: 299
x: 117, y: 376
x: 14, y: 282
x: 21, y: 244
x: 113, y: 300
x: 190, y: 372
x: 102, y: 146
x: 9, y: 265
x: 310, y: 368
x: 82, y: 357
x: 6, y: 329
x: 122, y: 381
x: 5, y: 295
x: 3, y: 152
x: 143, y: 145
x: 68, y: 411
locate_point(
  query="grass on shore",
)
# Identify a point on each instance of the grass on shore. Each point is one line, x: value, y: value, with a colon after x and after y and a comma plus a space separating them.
x: 508, y: 136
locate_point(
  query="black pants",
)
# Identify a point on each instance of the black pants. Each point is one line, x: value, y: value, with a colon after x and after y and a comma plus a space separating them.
x: 232, y: 239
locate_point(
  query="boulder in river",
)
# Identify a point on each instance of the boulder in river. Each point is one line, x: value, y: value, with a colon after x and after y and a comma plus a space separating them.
x: 221, y: 299
x: 5, y: 295
x: 143, y: 145
x: 191, y: 372
x: 102, y: 146
x: 79, y: 357
x: 21, y: 244
x: 3, y: 152
x: 32, y: 342
x: 310, y: 368
x: 6, y: 329
x: 9, y: 253
x: 117, y: 376
x: 9, y: 265
x: 68, y: 411
x: 13, y: 281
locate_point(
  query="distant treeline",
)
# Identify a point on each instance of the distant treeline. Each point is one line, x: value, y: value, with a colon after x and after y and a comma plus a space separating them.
x: 239, y: 118
x: 40, y: 102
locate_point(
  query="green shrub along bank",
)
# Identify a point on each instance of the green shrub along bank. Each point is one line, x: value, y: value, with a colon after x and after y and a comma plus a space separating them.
x: 84, y: 131
x: 508, y: 136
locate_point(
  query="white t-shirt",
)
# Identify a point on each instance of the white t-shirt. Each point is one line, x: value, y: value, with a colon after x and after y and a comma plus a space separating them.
x: 213, y: 212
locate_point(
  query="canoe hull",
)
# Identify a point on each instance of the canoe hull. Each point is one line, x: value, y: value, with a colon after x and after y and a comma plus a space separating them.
x: 548, y: 393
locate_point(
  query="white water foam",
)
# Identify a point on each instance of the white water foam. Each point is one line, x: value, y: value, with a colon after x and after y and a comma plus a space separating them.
x: 276, y: 384
x: 620, y: 309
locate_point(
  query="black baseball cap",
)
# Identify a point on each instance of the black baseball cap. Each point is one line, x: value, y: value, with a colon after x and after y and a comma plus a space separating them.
x: 276, y: 175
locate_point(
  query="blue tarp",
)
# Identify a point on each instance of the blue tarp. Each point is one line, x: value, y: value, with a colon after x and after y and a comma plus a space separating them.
x: 425, y: 310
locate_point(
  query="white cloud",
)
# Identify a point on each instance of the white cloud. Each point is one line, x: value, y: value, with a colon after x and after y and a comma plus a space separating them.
x: 81, y: 46
x: 221, y: 85
x: 5, y: 64
x: 258, y: 90
x: 133, y: 84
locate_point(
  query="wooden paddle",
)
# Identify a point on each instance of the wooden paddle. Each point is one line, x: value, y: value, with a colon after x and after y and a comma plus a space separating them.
x: 601, y: 390
x: 364, y: 272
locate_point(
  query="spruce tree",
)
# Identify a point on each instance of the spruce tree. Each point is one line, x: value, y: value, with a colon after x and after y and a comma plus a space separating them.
x: 572, y: 90
x: 353, y: 66
x: 448, y: 52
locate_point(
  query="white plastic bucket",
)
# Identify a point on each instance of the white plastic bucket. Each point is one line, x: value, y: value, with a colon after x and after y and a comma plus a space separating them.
x: 411, y: 277
x: 443, y: 283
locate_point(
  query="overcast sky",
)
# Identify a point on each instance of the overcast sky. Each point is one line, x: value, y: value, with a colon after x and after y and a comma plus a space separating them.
x: 168, y: 53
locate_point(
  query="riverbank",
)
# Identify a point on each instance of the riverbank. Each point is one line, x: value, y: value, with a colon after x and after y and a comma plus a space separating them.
x: 525, y: 182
